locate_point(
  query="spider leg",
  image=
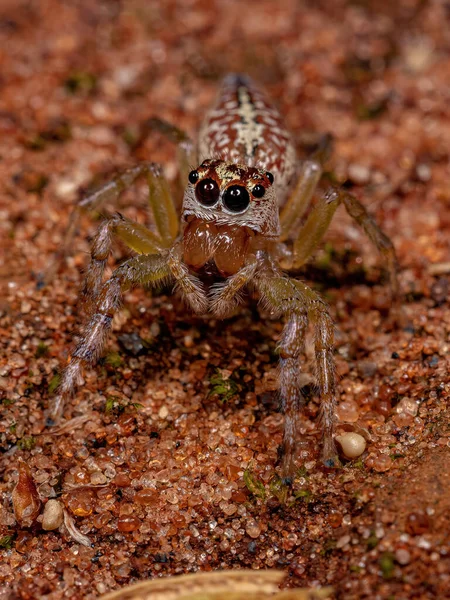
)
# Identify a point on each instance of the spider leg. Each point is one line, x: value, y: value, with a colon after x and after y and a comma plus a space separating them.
x: 225, y: 296
x: 134, y: 235
x: 186, y: 151
x: 144, y: 270
x: 376, y: 235
x: 299, y: 200
x: 313, y: 230
x: 189, y: 285
x: 160, y: 199
x: 318, y: 221
x: 292, y: 213
x: 300, y: 304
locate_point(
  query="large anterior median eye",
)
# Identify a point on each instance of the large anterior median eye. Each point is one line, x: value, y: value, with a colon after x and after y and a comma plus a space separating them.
x: 236, y: 198
x: 207, y: 192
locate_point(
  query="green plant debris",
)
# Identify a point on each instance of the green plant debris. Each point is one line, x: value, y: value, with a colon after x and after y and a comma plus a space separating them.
x: 7, y: 401
x: 372, y: 541
x: 253, y: 484
x: 113, y: 359
x: 6, y: 542
x: 41, y: 350
x: 54, y: 383
x: 12, y: 428
x: 80, y: 82
x: 279, y: 489
x: 115, y: 405
x: 302, y: 472
x: 304, y: 495
x: 328, y: 547
x: 224, y: 388
x: 26, y: 443
x: 366, y: 112
x: 355, y: 569
x: 387, y: 565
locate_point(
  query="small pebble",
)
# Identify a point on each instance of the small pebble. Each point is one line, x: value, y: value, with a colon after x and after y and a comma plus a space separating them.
x: 352, y: 444
x: 343, y: 541
x: 358, y: 173
x: 53, y: 515
x: 402, y: 556
x: 163, y: 412
x: 253, y: 529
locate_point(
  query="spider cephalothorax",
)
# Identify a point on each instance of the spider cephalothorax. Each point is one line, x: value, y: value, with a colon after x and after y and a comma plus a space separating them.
x: 228, y: 209
x: 244, y: 218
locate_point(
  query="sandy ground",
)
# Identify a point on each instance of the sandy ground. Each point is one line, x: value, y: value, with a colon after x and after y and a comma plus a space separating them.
x: 169, y: 465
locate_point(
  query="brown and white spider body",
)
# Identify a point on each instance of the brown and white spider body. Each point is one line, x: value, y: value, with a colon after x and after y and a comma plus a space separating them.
x: 247, y: 213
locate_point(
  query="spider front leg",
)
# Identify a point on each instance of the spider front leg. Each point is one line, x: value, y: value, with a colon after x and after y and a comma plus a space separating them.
x: 160, y: 199
x: 318, y: 221
x: 298, y: 203
x: 141, y: 270
x: 225, y: 296
x: 292, y: 214
x: 186, y: 151
x: 302, y: 305
x: 190, y: 287
x: 134, y: 235
x: 373, y: 231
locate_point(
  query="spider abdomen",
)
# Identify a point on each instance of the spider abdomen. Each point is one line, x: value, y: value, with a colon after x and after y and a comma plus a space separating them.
x: 244, y: 127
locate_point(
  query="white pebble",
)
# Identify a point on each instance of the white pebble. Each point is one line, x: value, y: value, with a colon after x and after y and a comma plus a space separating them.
x: 352, y: 444
x: 53, y: 515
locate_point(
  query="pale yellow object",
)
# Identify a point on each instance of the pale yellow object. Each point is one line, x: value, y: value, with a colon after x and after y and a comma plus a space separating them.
x: 219, y: 585
x: 352, y: 444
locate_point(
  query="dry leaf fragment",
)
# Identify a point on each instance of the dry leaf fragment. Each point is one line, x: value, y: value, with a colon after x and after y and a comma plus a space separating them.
x: 218, y: 585
x: 25, y: 497
x: 73, y: 531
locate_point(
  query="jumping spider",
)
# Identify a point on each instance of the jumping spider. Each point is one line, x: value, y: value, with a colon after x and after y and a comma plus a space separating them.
x: 246, y: 218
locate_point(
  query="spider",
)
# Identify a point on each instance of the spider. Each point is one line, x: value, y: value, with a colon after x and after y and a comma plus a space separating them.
x: 247, y: 217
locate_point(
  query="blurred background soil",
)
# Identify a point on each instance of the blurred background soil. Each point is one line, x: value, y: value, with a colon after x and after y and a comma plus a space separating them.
x: 169, y: 465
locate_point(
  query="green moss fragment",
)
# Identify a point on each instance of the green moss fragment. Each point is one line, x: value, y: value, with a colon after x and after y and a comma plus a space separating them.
x: 7, y: 401
x: 253, y: 484
x: 41, y: 350
x: 80, y: 82
x: 26, y: 443
x: 304, y: 495
x: 113, y: 359
x: 387, y: 565
x: 224, y: 388
x: 279, y: 489
x: 372, y: 541
x: 117, y: 406
x: 6, y: 542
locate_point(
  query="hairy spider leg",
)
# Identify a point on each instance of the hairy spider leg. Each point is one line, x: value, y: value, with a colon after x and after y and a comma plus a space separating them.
x: 146, y: 269
x: 134, y: 235
x: 318, y: 221
x: 300, y: 304
x: 376, y: 235
x: 225, y: 296
x: 299, y: 200
x: 160, y: 200
x: 186, y: 150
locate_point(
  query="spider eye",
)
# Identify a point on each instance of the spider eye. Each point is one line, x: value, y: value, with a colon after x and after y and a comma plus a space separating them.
x: 193, y: 176
x: 258, y: 191
x: 269, y: 176
x: 236, y: 198
x: 207, y: 192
